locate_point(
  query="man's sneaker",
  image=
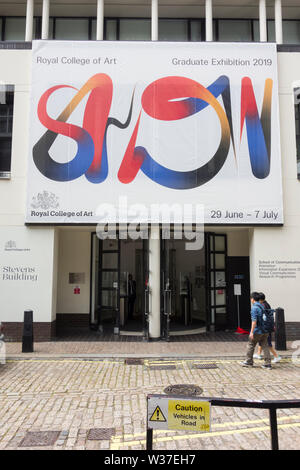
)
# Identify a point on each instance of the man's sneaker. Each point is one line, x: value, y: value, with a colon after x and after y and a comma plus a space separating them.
x: 257, y: 356
x: 276, y: 359
x: 246, y: 364
x: 266, y: 366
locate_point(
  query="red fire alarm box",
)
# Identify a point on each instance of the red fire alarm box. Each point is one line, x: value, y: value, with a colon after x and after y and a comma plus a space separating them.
x: 76, y: 290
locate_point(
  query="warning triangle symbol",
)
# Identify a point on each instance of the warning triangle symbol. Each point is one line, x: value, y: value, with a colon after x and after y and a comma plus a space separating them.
x: 158, y: 416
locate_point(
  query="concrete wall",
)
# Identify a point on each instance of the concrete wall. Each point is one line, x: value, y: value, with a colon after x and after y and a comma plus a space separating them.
x: 15, y: 70
x: 237, y: 242
x: 275, y: 253
x: 70, y: 252
x: 27, y: 277
x: 74, y: 257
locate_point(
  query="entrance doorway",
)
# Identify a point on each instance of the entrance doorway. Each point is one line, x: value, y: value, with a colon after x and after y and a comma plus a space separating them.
x: 216, y: 281
x: 134, y: 284
x: 119, y: 281
x: 193, y: 286
x: 238, y: 274
x: 183, y: 287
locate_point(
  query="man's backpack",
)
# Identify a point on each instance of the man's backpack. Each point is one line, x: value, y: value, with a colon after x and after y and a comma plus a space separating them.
x: 268, y: 322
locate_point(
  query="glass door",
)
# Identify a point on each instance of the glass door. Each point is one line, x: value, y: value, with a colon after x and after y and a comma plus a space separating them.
x: 94, y: 302
x: 183, y: 288
x: 168, y: 284
x: 216, y: 256
x: 105, y: 291
x: 109, y: 285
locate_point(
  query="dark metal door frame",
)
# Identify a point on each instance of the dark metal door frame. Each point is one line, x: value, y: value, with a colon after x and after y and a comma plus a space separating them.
x: 146, y: 291
x: 165, y: 291
x: 112, y: 289
x: 211, y: 287
x: 146, y: 300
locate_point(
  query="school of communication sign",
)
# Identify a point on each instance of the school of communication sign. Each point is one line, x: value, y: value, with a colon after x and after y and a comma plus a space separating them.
x: 117, y: 128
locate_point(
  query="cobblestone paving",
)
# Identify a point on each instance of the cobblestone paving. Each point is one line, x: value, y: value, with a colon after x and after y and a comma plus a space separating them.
x: 101, y: 404
x: 221, y: 345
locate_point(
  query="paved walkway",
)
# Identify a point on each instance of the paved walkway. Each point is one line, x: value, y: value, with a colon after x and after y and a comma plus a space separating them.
x: 220, y: 344
x: 75, y: 394
x: 77, y: 404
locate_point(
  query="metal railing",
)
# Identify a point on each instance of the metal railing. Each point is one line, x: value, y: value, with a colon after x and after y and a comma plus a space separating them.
x: 271, y: 405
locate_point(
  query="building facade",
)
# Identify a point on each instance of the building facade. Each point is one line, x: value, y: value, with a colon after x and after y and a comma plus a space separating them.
x: 58, y: 267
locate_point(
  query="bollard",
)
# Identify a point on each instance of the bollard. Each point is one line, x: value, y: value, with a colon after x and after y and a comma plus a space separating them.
x: 27, y: 339
x: 280, y: 336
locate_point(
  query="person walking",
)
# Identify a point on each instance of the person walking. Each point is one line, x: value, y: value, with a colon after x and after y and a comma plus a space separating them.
x: 277, y: 358
x: 257, y: 334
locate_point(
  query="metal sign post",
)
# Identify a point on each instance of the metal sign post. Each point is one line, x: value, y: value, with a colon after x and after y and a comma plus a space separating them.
x: 238, y: 292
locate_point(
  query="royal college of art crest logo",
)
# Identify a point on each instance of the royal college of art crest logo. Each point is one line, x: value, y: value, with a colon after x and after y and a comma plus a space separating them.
x: 45, y: 200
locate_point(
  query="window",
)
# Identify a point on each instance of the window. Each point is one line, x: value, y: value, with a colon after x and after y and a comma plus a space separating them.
x: 256, y: 32
x: 235, y: 30
x: 75, y: 29
x: 291, y: 32
x: 6, y: 123
x: 51, y: 29
x: 135, y: 30
x: 196, y: 30
x: 110, y: 29
x: 173, y: 30
x: 297, y: 122
x: 12, y: 28
x: 15, y: 29
x: 271, y: 31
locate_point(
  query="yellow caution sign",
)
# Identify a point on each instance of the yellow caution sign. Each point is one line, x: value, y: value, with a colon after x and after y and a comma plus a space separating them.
x: 158, y: 416
x: 189, y: 415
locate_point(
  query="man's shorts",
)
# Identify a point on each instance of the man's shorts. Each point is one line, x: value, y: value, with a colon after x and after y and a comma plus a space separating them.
x: 269, y: 340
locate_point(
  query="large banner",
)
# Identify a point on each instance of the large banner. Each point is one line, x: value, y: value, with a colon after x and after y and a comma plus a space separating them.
x: 120, y: 131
